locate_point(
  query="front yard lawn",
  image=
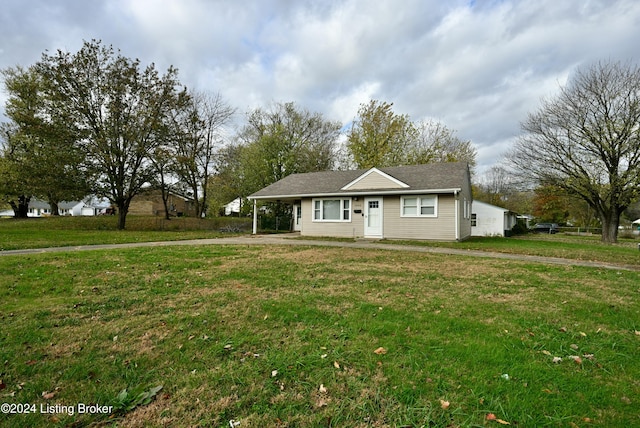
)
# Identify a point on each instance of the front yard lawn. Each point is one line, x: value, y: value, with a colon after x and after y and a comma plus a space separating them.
x: 302, y: 336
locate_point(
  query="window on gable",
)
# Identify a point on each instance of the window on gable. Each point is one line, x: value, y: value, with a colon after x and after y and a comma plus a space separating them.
x: 474, y: 220
x: 419, y: 206
x: 332, y: 210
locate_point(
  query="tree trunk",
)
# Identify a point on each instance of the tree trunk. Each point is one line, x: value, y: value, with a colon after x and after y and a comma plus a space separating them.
x: 165, y: 201
x: 55, y: 210
x: 122, y: 215
x: 610, y: 222
x: 21, y: 209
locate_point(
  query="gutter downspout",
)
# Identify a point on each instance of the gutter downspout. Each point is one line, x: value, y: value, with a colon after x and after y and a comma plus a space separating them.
x: 457, y: 214
x: 255, y: 217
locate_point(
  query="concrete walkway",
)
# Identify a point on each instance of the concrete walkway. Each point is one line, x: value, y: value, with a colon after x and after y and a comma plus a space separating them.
x: 294, y: 239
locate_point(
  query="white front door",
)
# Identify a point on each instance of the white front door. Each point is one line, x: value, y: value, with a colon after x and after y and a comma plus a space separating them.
x: 297, y: 217
x: 373, y: 217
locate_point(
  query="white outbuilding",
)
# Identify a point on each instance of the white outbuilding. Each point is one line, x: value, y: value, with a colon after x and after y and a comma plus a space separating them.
x: 490, y: 220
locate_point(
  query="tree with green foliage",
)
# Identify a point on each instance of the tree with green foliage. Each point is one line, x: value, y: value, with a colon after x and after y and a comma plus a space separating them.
x: 119, y: 110
x: 379, y: 137
x: 586, y: 141
x: 16, y: 187
x: 275, y: 143
x: 436, y: 142
x: 285, y: 140
x: 228, y: 182
x: 42, y: 148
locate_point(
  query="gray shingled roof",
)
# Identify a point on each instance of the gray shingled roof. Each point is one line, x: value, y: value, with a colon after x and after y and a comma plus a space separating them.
x: 429, y: 177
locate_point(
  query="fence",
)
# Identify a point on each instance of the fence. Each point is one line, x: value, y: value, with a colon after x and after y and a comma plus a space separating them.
x: 275, y: 224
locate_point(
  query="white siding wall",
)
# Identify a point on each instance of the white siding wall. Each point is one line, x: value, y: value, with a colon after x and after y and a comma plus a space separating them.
x: 394, y: 226
x: 440, y: 228
x: 489, y: 220
x: 351, y: 229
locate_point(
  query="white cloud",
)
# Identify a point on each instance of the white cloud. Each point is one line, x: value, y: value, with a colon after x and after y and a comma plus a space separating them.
x: 478, y: 66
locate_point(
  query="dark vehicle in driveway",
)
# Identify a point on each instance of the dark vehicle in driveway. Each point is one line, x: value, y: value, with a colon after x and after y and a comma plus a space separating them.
x: 545, y: 228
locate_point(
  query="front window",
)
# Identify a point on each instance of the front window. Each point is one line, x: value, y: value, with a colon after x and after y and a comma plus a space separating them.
x: 332, y: 210
x: 410, y: 207
x: 420, y: 206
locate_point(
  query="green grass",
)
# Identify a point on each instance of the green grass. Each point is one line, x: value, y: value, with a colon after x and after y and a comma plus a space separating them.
x: 73, y: 231
x: 251, y: 333
x: 69, y: 231
x: 588, y: 248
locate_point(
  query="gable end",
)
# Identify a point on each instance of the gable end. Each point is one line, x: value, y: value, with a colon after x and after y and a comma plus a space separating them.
x: 375, y: 179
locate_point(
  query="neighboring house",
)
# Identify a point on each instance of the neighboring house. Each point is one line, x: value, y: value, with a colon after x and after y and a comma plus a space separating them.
x: 150, y: 203
x: 39, y: 208
x: 490, y: 220
x: 233, y: 207
x: 430, y: 201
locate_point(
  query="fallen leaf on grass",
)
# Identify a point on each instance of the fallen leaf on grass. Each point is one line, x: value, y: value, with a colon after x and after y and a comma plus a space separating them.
x: 500, y: 421
x: 48, y: 395
x: 322, y: 402
x: 380, y: 351
x: 444, y: 404
x: 557, y: 360
x: 545, y: 352
x: 322, y: 389
x: 336, y: 364
x: 491, y: 417
x: 274, y: 373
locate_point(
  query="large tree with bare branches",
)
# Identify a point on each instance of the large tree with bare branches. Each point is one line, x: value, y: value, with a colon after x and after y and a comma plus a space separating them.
x: 586, y: 141
x: 201, y: 125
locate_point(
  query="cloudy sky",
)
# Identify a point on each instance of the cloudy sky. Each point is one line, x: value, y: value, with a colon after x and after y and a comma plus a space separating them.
x: 478, y: 66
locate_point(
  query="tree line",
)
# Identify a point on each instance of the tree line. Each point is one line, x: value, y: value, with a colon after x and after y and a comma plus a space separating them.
x: 98, y: 123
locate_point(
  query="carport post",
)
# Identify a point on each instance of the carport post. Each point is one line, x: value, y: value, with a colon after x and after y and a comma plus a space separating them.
x: 255, y: 217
